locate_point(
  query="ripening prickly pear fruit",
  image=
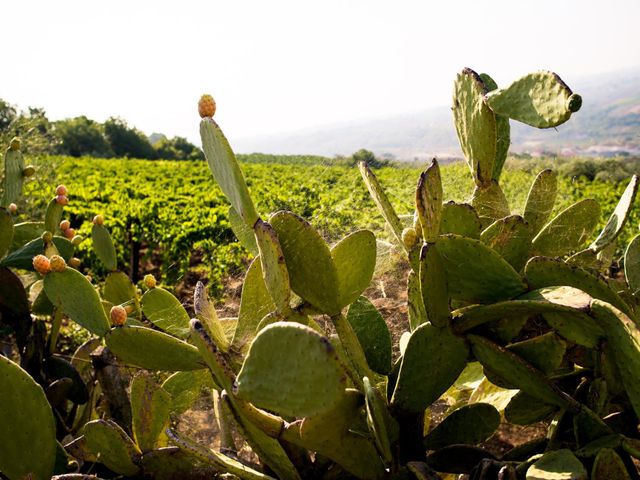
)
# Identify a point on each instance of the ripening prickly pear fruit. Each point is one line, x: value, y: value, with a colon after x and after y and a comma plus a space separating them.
x: 65, y: 225
x: 74, y: 262
x: 13, y: 208
x: 76, y: 240
x: 41, y: 264
x: 62, y: 200
x: 61, y: 190
x: 57, y: 263
x: 409, y: 237
x: 206, y: 106
x: 15, y: 143
x: 29, y: 170
x: 118, y: 315
x: 70, y: 233
x: 149, y: 281
x: 98, y: 220
x: 47, y: 237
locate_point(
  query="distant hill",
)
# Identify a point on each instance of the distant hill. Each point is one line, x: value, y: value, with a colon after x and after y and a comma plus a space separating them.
x: 607, y: 124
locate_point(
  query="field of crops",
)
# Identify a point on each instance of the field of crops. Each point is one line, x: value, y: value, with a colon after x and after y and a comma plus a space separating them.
x: 170, y: 218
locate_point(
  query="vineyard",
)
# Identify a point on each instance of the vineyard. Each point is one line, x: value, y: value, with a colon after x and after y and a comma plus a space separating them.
x: 174, y: 219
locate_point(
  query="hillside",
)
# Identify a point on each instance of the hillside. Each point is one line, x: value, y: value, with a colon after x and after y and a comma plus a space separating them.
x: 608, y: 123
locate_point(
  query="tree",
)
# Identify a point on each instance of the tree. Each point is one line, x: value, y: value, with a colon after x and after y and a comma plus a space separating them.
x: 369, y: 158
x: 126, y: 141
x: 81, y: 136
x: 177, y: 148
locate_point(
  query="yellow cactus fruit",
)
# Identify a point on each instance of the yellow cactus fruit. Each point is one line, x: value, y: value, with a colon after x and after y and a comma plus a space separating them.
x: 409, y: 237
x: 15, y: 144
x: 98, y: 220
x: 206, y: 106
x: 41, y: 264
x: 64, y: 225
x: 29, y: 170
x: 77, y: 240
x: 149, y: 281
x: 13, y: 208
x: 47, y: 237
x: 118, y: 315
x: 74, y: 262
x: 57, y: 263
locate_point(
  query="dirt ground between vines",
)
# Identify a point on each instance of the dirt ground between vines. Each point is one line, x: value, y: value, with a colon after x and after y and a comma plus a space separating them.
x: 388, y: 293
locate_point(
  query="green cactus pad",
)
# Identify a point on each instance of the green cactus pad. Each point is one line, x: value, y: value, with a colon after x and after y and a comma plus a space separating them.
x: 475, y: 125
x: 330, y: 435
x: 433, y: 285
x: 153, y: 350
x: 118, y: 289
x: 354, y: 258
x: 557, y: 465
x: 57, y: 368
x: 171, y: 463
x: 112, y: 446
x: 432, y: 361
x: 526, y: 450
x: 567, y: 230
x: 226, y: 170
x: 28, y: 425
x: 382, y: 202
x: 382, y: 426
x: 632, y: 264
x: 545, y: 272
x: 243, y: 232
x: 150, y: 406
x: 524, y: 409
x: 609, y: 465
x: 490, y: 203
x: 14, y: 306
x: 255, y: 304
x: 22, y: 258
x: 623, y: 338
x: 588, y: 426
x: 476, y: 273
x: 540, y: 200
x: 415, y: 304
x: 74, y: 295
x: 185, y: 388
x: 618, y: 218
x: 458, y: 458
x: 103, y: 246
x: 52, y: 216
x: 13, y: 176
x: 460, y: 219
x: 503, y: 132
x: 206, y: 312
x: 539, y: 99
x: 24, y: 232
x: 166, y: 312
x: 218, y: 460
x: 470, y: 424
x: 511, y: 238
x: 312, y: 272
x: 545, y: 352
x: 515, y: 371
x: 429, y: 202
x: 274, y: 268
x: 6, y: 231
x: 292, y: 370
x: 592, y: 449
x: 373, y: 334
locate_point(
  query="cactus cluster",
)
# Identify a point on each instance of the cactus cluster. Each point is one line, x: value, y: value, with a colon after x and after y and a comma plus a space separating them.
x: 520, y: 298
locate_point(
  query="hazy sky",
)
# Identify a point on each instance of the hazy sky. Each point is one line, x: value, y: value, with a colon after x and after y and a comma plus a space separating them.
x: 282, y: 65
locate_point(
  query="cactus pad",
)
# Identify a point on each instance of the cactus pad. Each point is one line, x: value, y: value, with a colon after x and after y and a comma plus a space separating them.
x: 460, y: 219
x: 52, y: 216
x: 432, y: 361
x: 103, y: 246
x: 433, y: 286
x: 243, y: 232
x: 274, y: 268
x: 545, y: 352
x: 476, y: 273
x: 429, y: 202
x: 150, y: 407
x: 312, y: 272
x: 470, y: 424
x: 557, y: 465
x: 539, y: 99
x: 166, y: 312
x: 382, y: 426
x: 6, y: 231
x: 74, y: 295
x: 415, y: 303
x: 13, y: 176
x: 28, y: 425
x: 632, y: 264
x: 475, y: 125
x: 540, y: 200
x: 112, y: 446
x: 609, y: 465
x: 153, y: 350
x: 226, y: 170
x: 618, y: 218
x: 292, y: 370
x: 185, y: 388
x: 354, y: 258
x: 490, y: 203
x: 511, y: 238
x: 22, y: 257
x: 373, y: 334
x: 524, y: 409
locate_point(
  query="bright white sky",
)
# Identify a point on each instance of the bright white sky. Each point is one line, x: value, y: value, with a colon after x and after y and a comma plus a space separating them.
x: 282, y: 65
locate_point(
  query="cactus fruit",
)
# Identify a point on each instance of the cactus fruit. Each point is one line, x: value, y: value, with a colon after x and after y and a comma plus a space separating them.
x: 206, y: 106
x: 409, y: 238
x: 57, y: 263
x: 149, y: 281
x: 41, y: 264
x: 70, y: 233
x: 65, y: 225
x: 62, y: 200
x: 77, y: 240
x: 98, y: 220
x: 14, y: 144
x: 47, y: 237
x: 61, y: 190
x: 118, y: 315
x: 28, y: 171
x: 74, y: 262
x: 13, y: 208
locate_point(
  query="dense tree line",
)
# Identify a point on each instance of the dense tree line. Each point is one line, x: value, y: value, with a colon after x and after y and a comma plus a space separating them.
x: 81, y: 136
